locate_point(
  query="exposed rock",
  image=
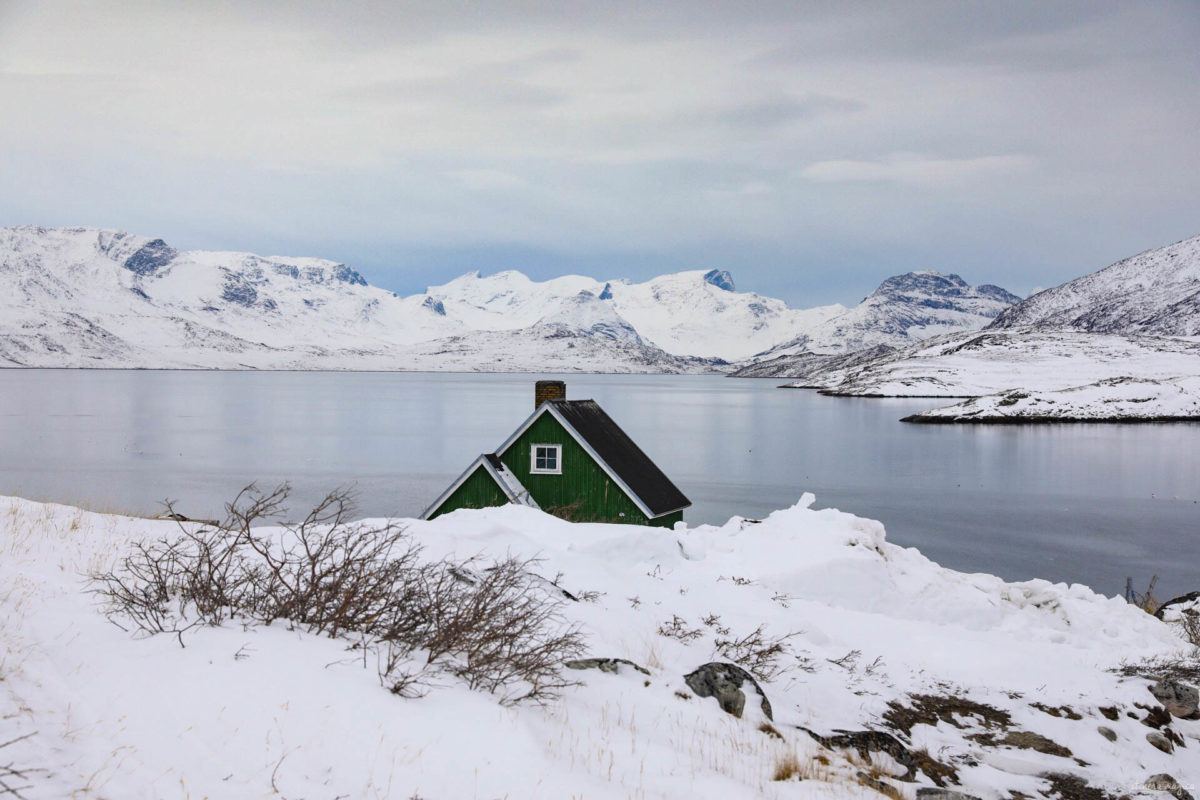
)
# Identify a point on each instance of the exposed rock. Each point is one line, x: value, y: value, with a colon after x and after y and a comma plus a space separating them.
x: 721, y: 279
x: 1107, y: 733
x: 867, y: 742
x: 1179, y: 698
x: 1163, y: 782
x: 1024, y: 740
x: 1183, y: 599
x: 883, y: 787
x: 932, y: 793
x: 724, y: 682
x: 151, y: 257
x: 610, y: 665
x: 1161, y: 742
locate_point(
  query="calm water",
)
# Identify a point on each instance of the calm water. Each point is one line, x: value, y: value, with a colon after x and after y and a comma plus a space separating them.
x: 1085, y: 503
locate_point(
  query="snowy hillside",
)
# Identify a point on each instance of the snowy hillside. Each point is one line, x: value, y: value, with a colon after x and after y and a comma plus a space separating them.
x: 889, y: 675
x: 689, y: 313
x: 83, y: 297
x: 1109, y: 400
x: 905, y: 308
x: 973, y: 364
x: 1155, y: 292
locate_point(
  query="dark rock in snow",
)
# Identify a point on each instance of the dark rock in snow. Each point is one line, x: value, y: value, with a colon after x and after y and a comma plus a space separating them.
x: 238, y: 290
x: 1162, y: 782
x: 151, y: 257
x: 1182, y: 600
x: 348, y: 275
x: 721, y: 279
x: 1180, y: 699
x: 610, y: 665
x: 724, y: 682
x: 867, y: 742
x: 434, y: 305
x: 1107, y: 733
x: 934, y: 793
x: 606, y: 294
x: 1161, y: 742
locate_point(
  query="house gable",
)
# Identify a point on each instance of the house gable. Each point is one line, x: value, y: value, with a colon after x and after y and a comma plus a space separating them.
x: 476, y: 488
x: 584, y: 489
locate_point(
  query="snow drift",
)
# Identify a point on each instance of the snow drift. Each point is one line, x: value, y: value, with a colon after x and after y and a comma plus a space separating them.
x: 972, y: 676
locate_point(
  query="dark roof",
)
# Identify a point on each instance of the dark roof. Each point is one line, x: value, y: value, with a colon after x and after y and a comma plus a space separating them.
x: 622, y: 456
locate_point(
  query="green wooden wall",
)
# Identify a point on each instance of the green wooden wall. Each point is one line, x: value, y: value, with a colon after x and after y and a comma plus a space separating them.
x: 583, y: 492
x: 479, y: 490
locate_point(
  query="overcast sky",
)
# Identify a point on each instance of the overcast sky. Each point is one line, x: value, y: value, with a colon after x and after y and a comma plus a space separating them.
x: 812, y: 149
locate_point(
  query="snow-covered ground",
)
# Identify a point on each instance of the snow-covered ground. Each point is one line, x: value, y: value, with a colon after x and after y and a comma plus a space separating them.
x: 1004, y: 685
x: 1109, y: 400
x: 992, y: 361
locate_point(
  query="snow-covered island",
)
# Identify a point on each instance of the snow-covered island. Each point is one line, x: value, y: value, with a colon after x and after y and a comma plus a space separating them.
x: 870, y: 670
x: 1108, y: 400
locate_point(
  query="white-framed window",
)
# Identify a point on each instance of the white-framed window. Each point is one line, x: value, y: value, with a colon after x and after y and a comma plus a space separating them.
x: 545, y: 459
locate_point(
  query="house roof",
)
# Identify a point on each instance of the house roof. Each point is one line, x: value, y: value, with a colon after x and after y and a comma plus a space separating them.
x: 612, y: 448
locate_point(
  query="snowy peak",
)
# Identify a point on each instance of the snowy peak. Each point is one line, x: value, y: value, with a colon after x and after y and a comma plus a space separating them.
x: 1156, y: 292
x: 85, y: 296
x: 720, y: 279
x: 929, y: 289
x: 903, y: 309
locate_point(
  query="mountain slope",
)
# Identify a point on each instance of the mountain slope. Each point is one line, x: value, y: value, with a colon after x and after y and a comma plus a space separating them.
x: 692, y: 313
x: 77, y: 297
x: 904, y: 309
x: 1156, y: 292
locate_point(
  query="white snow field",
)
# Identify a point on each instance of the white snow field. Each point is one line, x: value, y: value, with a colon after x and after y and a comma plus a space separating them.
x: 1010, y: 678
x: 1109, y: 400
x: 991, y: 361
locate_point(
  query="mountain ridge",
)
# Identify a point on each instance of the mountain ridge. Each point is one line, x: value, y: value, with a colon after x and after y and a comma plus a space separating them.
x: 1155, y: 292
x: 100, y: 297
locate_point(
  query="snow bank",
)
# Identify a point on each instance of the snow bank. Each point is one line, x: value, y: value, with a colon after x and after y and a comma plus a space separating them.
x: 1112, y: 400
x: 251, y: 712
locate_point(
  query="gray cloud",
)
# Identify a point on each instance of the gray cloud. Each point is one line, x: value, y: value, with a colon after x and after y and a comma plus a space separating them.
x: 813, y: 148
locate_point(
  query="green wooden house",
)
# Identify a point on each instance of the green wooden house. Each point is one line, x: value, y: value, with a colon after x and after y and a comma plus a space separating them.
x: 569, y: 459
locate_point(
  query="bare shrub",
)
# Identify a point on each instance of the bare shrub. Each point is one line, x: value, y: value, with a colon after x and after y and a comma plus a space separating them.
x: 1146, y: 600
x: 13, y: 779
x: 678, y: 628
x: 1189, y: 626
x: 759, y: 654
x: 497, y: 628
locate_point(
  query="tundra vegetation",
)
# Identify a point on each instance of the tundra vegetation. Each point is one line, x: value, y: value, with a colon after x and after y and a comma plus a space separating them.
x: 494, y: 625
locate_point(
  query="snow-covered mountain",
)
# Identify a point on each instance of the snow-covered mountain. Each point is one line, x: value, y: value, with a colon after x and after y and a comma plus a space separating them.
x: 78, y: 297
x: 1155, y: 292
x: 905, y: 308
x: 691, y: 313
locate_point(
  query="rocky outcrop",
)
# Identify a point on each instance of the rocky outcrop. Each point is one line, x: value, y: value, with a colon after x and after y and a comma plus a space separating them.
x: 609, y: 665
x: 1179, y: 698
x: 724, y: 682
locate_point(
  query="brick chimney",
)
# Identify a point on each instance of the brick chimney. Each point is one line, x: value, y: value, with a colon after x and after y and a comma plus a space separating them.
x: 548, y: 390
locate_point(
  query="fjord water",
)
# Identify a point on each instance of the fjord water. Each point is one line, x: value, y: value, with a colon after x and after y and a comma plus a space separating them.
x: 1076, y: 503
